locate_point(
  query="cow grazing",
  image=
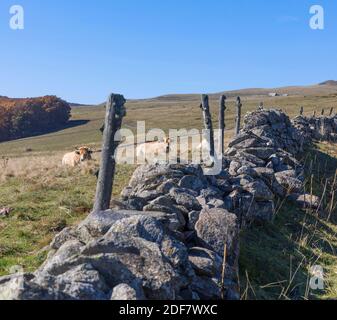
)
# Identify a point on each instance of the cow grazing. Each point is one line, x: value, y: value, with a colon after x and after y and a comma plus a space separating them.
x: 75, y: 158
x: 153, y: 151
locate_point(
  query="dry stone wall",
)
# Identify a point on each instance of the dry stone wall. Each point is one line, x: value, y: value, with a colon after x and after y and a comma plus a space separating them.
x: 176, y: 228
x: 321, y: 128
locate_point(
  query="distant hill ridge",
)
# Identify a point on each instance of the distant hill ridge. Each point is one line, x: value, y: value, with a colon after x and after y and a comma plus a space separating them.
x: 329, y: 83
x: 324, y: 88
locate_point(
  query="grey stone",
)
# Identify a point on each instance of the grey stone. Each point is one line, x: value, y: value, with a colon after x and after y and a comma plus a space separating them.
x: 126, y: 193
x: 250, y: 160
x: 124, y: 259
x: 232, y: 201
x: 21, y: 287
x: 252, y: 142
x: 144, y: 227
x: 65, y: 235
x: 259, y: 190
x: 276, y: 161
x: 217, y: 227
x: 191, y: 182
x: 231, y: 152
x: 193, y: 218
x: 153, y: 175
x: 177, y: 191
x: 216, y: 203
x: 205, y: 262
x: 264, y: 173
x: 262, y: 211
x: 206, y: 288
x: 148, y: 195
x: 262, y: 153
x: 305, y: 201
x: 245, y: 171
x: 211, y: 193
x: 67, y: 250
x: 135, y: 204
x: 123, y: 292
x: 240, y: 138
x: 177, y: 254
x: 242, y: 180
x: 163, y: 201
x: 188, y: 294
x: 167, y: 186
x: 234, y: 167
x: 98, y: 223
x: 202, y: 201
x: 191, y: 169
x: 82, y: 282
x: 185, y: 199
x: 289, y: 184
x: 224, y: 186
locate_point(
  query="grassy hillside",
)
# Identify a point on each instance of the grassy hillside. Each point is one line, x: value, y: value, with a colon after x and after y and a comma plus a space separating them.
x: 164, y: 113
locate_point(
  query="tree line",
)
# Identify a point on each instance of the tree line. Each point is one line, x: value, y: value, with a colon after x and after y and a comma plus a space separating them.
x: 20, y: 118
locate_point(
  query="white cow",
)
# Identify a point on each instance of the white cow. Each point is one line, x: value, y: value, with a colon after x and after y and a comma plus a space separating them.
x: 153, y: 151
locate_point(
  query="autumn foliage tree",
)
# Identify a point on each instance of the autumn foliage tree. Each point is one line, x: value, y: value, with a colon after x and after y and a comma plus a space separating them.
x: 23, y: 117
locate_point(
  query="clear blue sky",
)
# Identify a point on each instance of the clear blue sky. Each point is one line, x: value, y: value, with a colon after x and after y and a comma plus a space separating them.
x: 81, y: 50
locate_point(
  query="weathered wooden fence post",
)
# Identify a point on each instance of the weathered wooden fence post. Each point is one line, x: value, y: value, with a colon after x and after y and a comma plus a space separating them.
x: 238, y: 116
x: 208, y: 122
x: 222, y: 124
x: 331, y: 111
x: 115, y: 112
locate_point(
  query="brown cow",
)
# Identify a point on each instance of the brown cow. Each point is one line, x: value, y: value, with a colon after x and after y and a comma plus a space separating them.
x: 75, y: 158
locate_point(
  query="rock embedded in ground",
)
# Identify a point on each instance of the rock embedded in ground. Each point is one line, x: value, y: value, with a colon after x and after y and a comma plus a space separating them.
x: 306, y: 201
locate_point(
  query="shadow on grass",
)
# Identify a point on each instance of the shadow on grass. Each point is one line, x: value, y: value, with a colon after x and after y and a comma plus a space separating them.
x: 276, y: 258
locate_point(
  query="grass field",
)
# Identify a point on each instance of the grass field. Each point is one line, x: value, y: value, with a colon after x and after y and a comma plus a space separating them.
x: 164, y: 113
x: 46, y: 197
